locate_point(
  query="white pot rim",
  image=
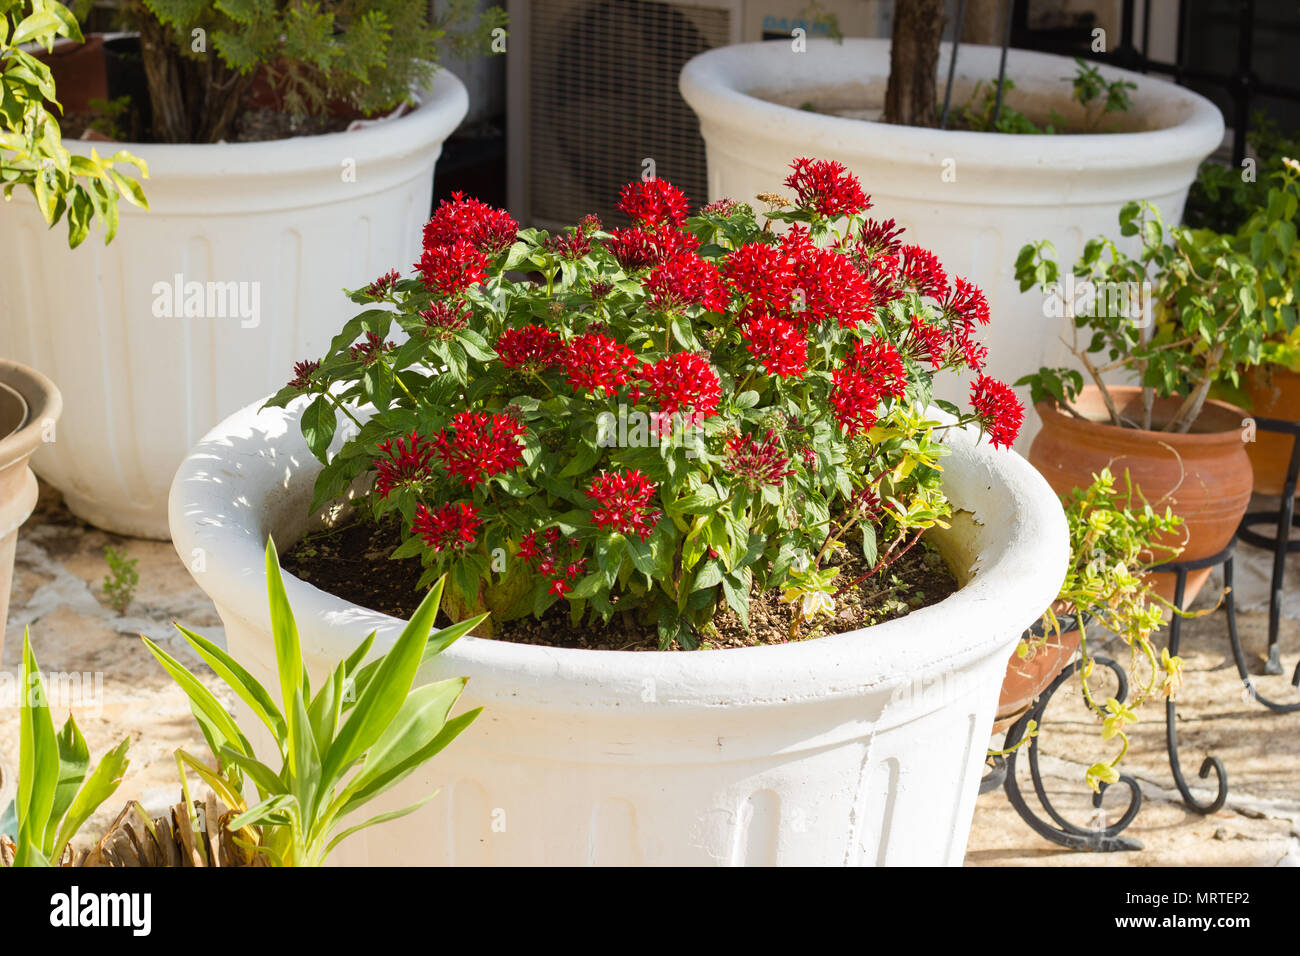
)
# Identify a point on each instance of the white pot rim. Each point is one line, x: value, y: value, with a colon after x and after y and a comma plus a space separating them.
x: 235, y: 485
x: 439, y: 112
x: 717, y: 85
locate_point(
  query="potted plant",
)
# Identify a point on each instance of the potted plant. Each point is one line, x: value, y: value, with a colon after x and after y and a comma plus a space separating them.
x: 1115, y: 539
x: 292, y: 151
x: 1192, y: 307
x: 970, y: 194
x: 690, y: 433
x: 363, y: 731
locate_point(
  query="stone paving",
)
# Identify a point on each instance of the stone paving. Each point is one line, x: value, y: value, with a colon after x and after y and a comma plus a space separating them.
x: 57, y: 593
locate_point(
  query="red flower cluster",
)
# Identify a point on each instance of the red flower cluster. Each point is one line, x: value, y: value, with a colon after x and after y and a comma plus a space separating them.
x: 928, y: 342
x: 443, y: 318
x: 878, y: 238
x: 966, y: 304
x: 302, y: 372
x: 685, y: 280
x: 638, y: 249
x: 573, y: 246
x: 559, y: 567
x: 826, y: 187
x: 1000, y: 412
x: 484, y: 227
x: 480, y: 445
x: 531, y: 348
x: 825, y: 284
x: 720, y: 207
x: 407, y: 463
x: 452, y: 268
x: 764, y: 275
x: 596, y: 362
x: 453, y: 527
x: 872, y: 371
x: 778, y: 345
x: 383, y: 285
x: 653, y: 203
x: 920, y: 269
x: 758, y: 464
x: 366, y: 352
x: 623, y: 503
x: 684, y: 380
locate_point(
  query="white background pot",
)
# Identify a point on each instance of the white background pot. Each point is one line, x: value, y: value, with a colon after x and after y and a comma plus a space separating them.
x: 287, y: 218
x: 860, y: 748
x: 1000, y: 191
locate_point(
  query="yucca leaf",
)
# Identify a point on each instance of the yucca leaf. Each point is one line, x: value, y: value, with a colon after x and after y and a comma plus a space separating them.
x: 327, y: 707
x: 226, y: 790
x: 284, y: 803
x: 38, y: 754
x: 99, y: 786
x: 74, y: 761
x: 381, y: 818
x: 249, y: 689
x: 304, y: 758
x: 284, y: 632
x: 204, y: 703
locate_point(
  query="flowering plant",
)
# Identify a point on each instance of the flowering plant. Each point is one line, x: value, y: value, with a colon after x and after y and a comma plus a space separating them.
x: 664, y: 417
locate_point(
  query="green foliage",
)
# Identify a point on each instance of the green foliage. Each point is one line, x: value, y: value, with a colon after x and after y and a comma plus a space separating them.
x: 1223, y: 197
x: 716, y: 536
x: 1116, y: 537
x: 365, y: 730
x: 108, y: 114
x: 1097, y: 96
x: 1210, y: 302
x: 369, y: 53
x: 32, y: 154
x: 56, y: 793
x: 121, y: 581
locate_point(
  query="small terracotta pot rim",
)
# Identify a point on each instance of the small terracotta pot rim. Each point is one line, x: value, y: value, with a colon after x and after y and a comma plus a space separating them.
x: 44, y: 403
x: 1050, y: 410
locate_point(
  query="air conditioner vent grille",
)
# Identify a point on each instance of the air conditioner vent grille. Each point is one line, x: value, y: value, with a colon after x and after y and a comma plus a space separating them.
x: 604, y: 99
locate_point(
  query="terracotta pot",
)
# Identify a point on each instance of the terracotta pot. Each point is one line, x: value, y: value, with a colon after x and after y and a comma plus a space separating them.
x: 29, y: 405
x: 1204, y: 475
x: 79, y: 74
x: 1028, y: 677
x: 1274, y: 393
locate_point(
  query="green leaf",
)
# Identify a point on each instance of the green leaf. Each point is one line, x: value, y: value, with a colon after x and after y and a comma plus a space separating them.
x: 381, y: 818
x: 74, y: 760
x: 205, y: 705
x: 99, y: 786
x: 38, y: 755
x: 318, y: 425
x: 250, y: 691
x: 284, y: 634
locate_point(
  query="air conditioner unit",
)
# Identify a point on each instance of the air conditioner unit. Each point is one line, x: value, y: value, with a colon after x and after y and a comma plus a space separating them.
x: 592, y: 92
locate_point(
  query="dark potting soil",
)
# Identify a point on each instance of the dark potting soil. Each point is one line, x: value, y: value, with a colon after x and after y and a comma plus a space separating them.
x: 250, y: 126
x: 351, y: 562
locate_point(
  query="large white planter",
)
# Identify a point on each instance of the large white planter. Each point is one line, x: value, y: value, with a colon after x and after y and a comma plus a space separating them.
x: 972, y: 198
x: 861, y: 748
x: 291, y: 221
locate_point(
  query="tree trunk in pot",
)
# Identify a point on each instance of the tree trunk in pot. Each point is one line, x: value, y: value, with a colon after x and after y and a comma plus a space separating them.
x: 913, y: 62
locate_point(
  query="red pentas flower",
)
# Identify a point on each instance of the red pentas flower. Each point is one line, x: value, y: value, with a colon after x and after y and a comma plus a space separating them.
x: 639, y: 249
x: 778, y: 344
x: 622, y: 502
x: 596, y: 362
x: 826, y: 187
x: 531, y: 348
x: 480, y: 445
x: 653, y: 202
x: 873, y: 370
x: 927, y: 342
x: 825, y: 284
x: 966, y: 304
x: 721, y: 207
x: 383, y: 285
x: 685, y: 280
x: 920, y: 269
x: 452, y: 268
x: 763, y: 274
x: 877, y: 238
x: 444, y: 317
x: 484, y: 227
x: 302, y: 372
x: 684, y: 380
x: 407, y: 463
x: 561, y: 563
x: 369, y: 349
x: 452, y: 527
x: 758, y: 463
x: 1000, y: 412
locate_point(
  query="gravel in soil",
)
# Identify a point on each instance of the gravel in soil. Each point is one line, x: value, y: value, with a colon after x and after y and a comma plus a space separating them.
x: 351, y: 562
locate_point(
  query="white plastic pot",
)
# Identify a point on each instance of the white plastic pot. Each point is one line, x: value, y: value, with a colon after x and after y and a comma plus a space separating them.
x: 974, y: 199
x: 859, y: 748
x: 290, y: 223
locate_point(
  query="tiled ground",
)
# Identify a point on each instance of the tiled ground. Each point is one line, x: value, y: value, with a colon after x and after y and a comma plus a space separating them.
x: 57, y: 593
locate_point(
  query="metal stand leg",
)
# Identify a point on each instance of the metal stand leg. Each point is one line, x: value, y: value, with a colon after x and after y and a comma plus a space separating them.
x: 1171, y: 707
x: 1102, y: 839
